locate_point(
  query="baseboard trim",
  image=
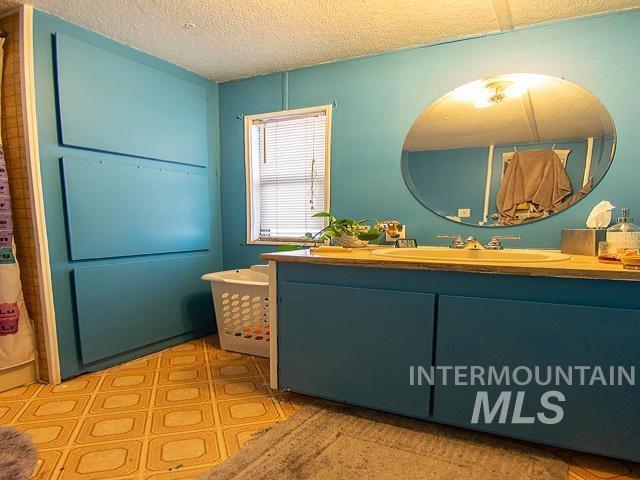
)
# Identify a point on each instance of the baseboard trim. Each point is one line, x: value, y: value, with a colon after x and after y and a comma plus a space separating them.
x: 140, y: 352
x: 18, y: 376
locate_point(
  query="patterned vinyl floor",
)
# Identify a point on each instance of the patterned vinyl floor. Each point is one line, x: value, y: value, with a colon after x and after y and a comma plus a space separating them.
x: 173, y: 415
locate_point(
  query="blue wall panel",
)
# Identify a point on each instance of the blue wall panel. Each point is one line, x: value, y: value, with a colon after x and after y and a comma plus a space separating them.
x: 115, y: 98
x: 118, y: 208
x: 135, y: 317
x: 111, y: 103
x: 379, y: 97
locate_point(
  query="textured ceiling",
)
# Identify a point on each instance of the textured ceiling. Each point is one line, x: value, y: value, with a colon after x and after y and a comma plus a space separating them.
x: 550, y: 110
x: 239, y: 38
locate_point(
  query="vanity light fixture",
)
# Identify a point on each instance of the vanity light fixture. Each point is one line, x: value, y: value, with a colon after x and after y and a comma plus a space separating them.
x: 490, y: 91
x: 497, y: 90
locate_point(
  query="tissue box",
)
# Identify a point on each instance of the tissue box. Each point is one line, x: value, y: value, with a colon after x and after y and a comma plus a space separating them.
x: 582, y: 241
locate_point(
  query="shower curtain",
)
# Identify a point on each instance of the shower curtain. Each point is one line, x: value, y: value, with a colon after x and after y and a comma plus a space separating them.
x: 17, y: 342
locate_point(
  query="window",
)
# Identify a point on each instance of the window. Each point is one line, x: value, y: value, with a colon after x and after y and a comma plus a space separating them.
x: 287, y: 165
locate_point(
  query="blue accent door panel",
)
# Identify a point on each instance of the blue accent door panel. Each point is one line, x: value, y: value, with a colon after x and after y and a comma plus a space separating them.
x: 119, y: 208
x: 110, y: 103
x: 144, y: 309
x: 486, y: 332
x: 355, y: 344
x: 129, y: 162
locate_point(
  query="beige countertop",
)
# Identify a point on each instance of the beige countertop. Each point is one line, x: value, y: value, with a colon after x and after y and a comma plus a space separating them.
x: 577, y: 266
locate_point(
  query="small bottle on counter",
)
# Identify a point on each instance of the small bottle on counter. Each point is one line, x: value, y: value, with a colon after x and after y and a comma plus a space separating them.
x: 624, y: 236
x: 606, y: 254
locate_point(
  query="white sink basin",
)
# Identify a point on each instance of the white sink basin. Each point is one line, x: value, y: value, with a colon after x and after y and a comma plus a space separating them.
x: 438, y: 254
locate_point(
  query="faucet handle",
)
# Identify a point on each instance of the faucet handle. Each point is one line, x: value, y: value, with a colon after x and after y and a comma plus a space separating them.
x: 496, y: 244
x: 507, y: 237
x: 457, y: 241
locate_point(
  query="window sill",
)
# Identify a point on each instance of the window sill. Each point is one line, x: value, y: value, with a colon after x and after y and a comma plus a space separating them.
x: 282, y: 242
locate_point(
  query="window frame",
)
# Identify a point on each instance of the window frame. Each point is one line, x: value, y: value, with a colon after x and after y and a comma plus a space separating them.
x: 249, y: 174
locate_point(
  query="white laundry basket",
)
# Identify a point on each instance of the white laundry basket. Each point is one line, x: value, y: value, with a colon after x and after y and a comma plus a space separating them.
x: 241, y: 300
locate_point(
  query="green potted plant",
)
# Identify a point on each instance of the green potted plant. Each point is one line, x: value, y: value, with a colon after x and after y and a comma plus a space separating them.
x: 345, y: 232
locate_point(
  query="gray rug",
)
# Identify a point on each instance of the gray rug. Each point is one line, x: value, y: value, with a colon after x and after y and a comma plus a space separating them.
x: 327, y: 441
x: 18, y: 455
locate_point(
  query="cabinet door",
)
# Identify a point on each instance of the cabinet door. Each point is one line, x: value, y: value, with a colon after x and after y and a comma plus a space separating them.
x: 355, y: 345
x: 483, y: 332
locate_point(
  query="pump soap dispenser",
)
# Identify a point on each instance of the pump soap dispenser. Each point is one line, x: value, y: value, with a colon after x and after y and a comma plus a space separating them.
x: 624, y: 235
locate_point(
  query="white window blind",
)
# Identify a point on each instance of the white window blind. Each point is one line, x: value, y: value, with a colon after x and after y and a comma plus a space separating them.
x: 288, y: 175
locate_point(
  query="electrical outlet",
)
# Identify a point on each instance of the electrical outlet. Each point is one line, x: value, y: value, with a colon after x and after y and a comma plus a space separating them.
x: 464, y: 212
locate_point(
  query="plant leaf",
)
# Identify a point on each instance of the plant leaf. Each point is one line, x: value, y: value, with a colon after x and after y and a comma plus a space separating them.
x: 345, y: 221
x: 322, y: 214
x: 370, y: 235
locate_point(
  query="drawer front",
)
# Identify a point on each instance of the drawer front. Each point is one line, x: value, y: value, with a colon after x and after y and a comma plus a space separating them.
x: 484, y: 333
x: 355, y: 345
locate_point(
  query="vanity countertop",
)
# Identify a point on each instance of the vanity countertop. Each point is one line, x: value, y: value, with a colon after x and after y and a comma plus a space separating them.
x: 578, y: 266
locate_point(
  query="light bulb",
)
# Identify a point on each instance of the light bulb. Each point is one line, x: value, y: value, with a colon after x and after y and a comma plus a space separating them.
x: 470, y: 91
x: 482, y: 102
x: 515, y: 90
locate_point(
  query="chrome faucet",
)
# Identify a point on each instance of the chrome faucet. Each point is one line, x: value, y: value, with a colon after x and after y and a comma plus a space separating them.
x: 472, y: 243
x: 469, y: 243
x: 456, y: 240
x: 496, y: 244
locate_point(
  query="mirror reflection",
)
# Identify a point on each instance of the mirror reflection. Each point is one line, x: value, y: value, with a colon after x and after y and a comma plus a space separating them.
x: 508, y: 149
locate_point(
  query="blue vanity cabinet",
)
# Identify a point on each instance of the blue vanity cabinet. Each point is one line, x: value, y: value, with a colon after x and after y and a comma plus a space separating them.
x: 485, y: 332
x: 355, y: 344
x: 351, y: 334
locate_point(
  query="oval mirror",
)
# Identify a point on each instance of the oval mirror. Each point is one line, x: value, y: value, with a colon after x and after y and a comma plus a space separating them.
x: 508, y: 150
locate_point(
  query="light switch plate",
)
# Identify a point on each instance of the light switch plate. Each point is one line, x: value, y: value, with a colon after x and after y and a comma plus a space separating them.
x: 464, y: 212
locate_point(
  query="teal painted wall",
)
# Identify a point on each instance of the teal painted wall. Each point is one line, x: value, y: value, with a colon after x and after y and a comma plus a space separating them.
x: 379, y: 97
x: 107, y: 112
